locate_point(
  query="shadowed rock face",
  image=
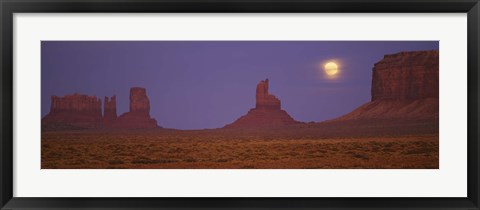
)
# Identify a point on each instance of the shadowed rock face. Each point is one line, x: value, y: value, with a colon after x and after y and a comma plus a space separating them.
x: 110, y: 110
x: 264, y: 99
x: 267, y: 111
x: 406, y: 76
x: 404, y: 86
x: 139, y: 102
x: 74, y: 110
x: 82, y: 111
x: 139, y: 114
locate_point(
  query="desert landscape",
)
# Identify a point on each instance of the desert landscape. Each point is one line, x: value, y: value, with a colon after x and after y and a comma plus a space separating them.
x: 408, y: 146
x: 397, y: 129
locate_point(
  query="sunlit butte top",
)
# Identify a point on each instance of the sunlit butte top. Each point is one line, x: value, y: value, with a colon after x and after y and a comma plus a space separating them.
x: 331, y: 69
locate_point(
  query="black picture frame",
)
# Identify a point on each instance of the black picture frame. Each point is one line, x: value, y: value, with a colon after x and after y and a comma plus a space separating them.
x: 9, y: 7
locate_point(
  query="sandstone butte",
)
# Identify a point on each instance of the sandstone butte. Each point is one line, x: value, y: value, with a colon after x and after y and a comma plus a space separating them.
x: 110, y: 110
x: 404, y: 86
x: 83, y: 111
x: 74, y: 110
x: 267, y: 111
x: 139, y: 114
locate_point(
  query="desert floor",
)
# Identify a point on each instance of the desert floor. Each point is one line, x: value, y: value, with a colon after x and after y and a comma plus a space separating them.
x: 379, y: 145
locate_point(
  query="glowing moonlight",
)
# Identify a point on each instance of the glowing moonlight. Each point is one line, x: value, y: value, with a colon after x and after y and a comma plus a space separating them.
x: 331, y: 69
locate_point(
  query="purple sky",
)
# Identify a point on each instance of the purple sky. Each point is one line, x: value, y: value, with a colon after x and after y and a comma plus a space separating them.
x: 207, y: 84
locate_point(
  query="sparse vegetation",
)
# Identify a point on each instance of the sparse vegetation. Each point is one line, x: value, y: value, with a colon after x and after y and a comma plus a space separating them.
x: 235, y: 149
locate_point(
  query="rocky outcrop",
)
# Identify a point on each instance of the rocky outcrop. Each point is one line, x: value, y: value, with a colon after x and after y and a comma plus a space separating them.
x: 83, y: 112
x: 264, y: 99
x: 109, y: 110
x: 267, y: 111
x: 258, y: 118
x: 139, y: 114
x: 395, y: 109
x: 75, y: 110
x: 139, y: 102
x: 406, y: 76
x: 404, y: 86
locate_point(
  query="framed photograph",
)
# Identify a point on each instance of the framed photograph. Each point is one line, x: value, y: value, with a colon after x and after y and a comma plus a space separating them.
x: 239, y: 105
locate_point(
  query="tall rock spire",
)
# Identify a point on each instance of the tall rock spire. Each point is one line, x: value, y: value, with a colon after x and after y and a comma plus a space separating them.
x: 109, y: 110
x: 139, y: 102
x: 264, y: 99
x: 139, y: 114
x: 267, y: 111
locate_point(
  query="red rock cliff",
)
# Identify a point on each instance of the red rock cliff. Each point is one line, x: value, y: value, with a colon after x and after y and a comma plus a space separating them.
x: 267, y: 112
x: 139, y: 102
x: 139, y: 114
x: 74, y: 110
x: 110, y: 110
x: 406, y: 76
x: 404, y: 86
x: 264, y: 99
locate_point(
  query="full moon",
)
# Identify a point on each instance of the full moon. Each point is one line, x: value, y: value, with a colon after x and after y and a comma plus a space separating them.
x: 331, y: 69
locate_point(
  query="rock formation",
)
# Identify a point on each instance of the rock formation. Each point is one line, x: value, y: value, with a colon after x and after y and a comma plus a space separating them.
x: 267, y: 111
x: 139, y: 114
x: 109, y: 110
x: 75, y: 110
x: 81, y: 111
x: 264, y: 99
x: 404, y: 85
x: 139, y: 102
x: 406, y: 76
